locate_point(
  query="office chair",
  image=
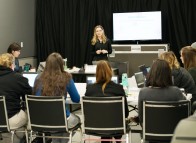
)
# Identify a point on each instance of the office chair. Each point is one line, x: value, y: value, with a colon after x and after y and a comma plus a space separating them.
x: 47, y: 114
x: 104, y: 116
x: 4, y: 123
x: 161, y: 117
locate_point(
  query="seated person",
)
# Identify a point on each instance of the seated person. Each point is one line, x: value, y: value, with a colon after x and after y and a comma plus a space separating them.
x: 188, y: 57
x: 105, y: 87
x: 159, y: 86
x: 181, y: 77
x: 54, y: 81
x: 14, y: 49
x: 14, y: 87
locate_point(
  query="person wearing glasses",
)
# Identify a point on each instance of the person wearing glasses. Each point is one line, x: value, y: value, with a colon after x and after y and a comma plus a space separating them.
x: 101, y: 45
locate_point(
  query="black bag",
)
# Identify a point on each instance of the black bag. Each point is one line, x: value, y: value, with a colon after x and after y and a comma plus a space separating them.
x: 40, y: 140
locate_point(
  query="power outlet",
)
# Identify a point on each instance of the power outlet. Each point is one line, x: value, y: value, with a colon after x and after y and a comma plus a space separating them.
x: 21, y: 44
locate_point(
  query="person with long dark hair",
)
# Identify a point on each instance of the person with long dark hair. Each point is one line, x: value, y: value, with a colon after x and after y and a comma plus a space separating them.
x: 54, y: 81
x: 159, y: 86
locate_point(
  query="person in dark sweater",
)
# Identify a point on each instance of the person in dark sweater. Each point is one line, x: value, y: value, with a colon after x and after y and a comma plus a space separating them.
x: 181, y: 77
x: 14, y: 49
x: 14, y: 87
x: 105, y: 87
x: 159, y: 86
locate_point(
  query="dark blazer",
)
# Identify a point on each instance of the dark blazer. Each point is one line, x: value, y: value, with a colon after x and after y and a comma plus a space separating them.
x: 112, y: 89
x: 101, y: 46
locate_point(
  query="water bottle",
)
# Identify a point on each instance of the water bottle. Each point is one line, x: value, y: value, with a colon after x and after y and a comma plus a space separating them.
x: 125, y: 82
x: 65, y: 65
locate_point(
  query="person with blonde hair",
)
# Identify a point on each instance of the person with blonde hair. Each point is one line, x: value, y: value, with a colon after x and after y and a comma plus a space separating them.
x: 101, y: 45
x: 188, y: 57
x: 105, y: 87
x: 14, y: 87
x: 181, y: 77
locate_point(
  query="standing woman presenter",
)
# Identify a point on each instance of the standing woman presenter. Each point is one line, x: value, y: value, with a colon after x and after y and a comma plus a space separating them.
x: 101, y: 45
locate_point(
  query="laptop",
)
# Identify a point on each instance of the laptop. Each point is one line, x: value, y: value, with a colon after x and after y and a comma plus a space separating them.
x: 31, y: 77
x: 145, y: 70
x: 140, y: 79
x: 92, y: 79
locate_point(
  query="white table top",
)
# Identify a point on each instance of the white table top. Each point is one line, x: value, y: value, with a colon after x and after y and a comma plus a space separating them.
x: 132, y: 97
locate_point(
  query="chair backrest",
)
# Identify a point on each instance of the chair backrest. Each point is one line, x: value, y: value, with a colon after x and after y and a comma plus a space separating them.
x: 123, y: 67
x: 103, y: 115
x: 4, y: 124
x: 46, y: 113
x: 185, y: 131
x: 161, y: 117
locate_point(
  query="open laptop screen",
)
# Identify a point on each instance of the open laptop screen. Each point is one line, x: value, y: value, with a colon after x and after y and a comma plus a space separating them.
x: 92, y: 79
x: 140, y: 79
x: 31, y: 77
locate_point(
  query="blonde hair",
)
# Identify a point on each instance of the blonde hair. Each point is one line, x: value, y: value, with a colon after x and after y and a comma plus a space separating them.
x: 171, y: 59
x: 103, y: 73
x: 6, y: 60
x: 95, y: 38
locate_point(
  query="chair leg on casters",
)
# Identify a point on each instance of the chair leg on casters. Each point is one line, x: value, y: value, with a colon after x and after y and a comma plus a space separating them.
x: 81, y: 135
x: 31, y: 134
x: 44, y: 138
x: 70, y: 137
x: 129, y: 137
x: 27, y: 137
x: 12, y: 137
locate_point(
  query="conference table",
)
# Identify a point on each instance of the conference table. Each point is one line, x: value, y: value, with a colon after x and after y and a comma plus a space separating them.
x: 132, y: 95
x: 79, y: 74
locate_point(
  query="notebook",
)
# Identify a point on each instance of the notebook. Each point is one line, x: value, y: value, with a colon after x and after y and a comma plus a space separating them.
x: 31, y: 77
x: 92, y: 79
